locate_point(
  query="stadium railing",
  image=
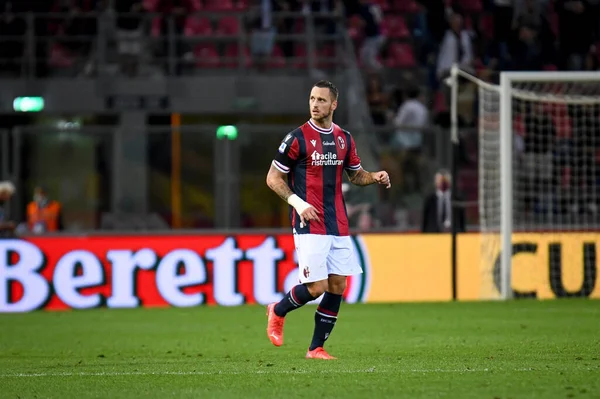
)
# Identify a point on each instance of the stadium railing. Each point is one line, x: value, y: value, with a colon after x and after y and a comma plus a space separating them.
x: 209, y: 42
x: 103, y: 184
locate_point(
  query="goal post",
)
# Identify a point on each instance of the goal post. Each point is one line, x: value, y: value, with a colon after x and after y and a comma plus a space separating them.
x: 538, y: 182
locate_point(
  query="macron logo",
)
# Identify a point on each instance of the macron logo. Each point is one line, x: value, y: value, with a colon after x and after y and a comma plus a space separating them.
x: 313, y: 142
x: 328, y: 159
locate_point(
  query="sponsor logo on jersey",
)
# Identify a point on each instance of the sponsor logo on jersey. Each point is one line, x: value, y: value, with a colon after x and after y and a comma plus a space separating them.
x: 329, y: 143
x: 282, y: 147
x: 313, y: 142
x: 288, y: 137
x: 328, y: 159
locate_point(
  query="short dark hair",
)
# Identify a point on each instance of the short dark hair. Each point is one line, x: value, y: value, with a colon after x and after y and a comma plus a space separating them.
x: 327, y: 84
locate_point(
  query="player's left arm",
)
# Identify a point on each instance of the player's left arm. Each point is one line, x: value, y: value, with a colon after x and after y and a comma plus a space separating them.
x: 357, y: 175
x: 361, y: 177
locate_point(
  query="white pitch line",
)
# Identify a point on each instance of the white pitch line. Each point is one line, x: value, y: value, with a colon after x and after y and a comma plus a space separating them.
x: 184, y: 373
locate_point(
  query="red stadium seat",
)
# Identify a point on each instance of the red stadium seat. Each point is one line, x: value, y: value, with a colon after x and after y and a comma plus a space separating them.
x: 471, y: 6
x: 198, y: 26
x: 60, y: 58
x: 299, y: 25
x: 277, y: 59
x: 218, y: 5
x: 232, y: 54
x: 562, y: 123
x: 400, y: 55
x: 394, y: 26
x: 150, y: 5
x: 228, y: 26
x: 405, y: 6
x: 206, y: 56
x: 326, y: 57
x: 355, y: 27
x: 300, y: 55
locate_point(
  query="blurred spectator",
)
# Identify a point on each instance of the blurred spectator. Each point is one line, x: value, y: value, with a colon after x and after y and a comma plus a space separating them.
x: 371, y: 20
x: 456, y: 48
x: 43, y: 214
x: 437, y: 208
x: 435, y: 21
x: 377, y: 99
x: 12, y: 40
x: 263, y: 35
x: 578, y: 27
x: 7, y: 227
x: 410, y: 120
x: 526, y: 51
x: 129, y: 34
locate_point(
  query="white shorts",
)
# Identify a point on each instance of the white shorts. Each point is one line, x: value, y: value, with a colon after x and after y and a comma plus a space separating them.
x: 322, y: 255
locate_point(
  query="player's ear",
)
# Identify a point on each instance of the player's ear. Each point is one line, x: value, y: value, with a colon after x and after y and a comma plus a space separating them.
x: 334, y: 105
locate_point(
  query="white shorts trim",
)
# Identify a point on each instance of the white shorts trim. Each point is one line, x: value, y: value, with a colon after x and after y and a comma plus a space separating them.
x: 322, y: 255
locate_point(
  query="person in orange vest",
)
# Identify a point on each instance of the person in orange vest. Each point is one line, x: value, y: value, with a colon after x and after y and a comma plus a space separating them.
x: 43, y: 214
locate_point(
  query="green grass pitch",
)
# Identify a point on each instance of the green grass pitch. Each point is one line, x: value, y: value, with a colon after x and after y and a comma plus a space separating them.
x: 515, y: 349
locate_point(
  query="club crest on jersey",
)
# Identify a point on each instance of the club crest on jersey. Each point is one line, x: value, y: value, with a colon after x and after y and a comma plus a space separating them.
x: 341, y: 142
x: 313, y: 142
x: 306, y: 272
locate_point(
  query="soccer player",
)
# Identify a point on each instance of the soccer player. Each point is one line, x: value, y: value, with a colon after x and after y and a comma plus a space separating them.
x: 313, y: 157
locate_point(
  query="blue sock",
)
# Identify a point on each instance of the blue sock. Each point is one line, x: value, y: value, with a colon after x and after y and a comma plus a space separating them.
x: 325, y: 318
x: 296, y: 298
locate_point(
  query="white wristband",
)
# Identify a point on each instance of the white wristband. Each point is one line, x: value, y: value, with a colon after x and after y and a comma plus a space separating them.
x: 298, y: 203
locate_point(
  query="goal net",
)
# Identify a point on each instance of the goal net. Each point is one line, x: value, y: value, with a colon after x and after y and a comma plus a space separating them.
x: 539, y: 184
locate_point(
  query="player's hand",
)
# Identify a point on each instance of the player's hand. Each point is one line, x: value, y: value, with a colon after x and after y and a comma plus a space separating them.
x: 309, y: 214
x: 383, y: 178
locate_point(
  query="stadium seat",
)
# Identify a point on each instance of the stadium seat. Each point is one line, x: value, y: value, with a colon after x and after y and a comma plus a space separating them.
x: 299, y: 25
x: 150, y: 5
x: 241, y: 5
x: 218, y: 5
x: 326, y: 57
x: 155, y: 28
x: 232, y: 53
x: 400, y: 55
x: 471, y: 6
x: 206, y: 56
x: 405, y: 6
x: 277, y: 59
x: 394, y: 26
x: 228, y: 26
x: 562, y: 123
x: 198, y: 26
x: 355, y: 27
x: 300, y: 55
x: 59, y: 57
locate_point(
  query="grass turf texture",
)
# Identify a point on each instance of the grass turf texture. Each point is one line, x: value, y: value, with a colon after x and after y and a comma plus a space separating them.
x: 518, y: 349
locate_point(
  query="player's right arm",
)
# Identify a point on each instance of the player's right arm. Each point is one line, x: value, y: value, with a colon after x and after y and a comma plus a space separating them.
x: 286, y: 157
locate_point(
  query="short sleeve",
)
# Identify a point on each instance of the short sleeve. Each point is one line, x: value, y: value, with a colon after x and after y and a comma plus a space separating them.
x: 352, y: 160
x: 287, y: 154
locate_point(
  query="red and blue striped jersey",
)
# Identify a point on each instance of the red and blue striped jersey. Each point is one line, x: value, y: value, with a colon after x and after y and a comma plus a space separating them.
x: 314, y: 159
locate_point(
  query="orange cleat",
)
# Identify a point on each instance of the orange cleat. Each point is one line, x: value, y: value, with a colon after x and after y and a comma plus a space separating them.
x: 274, y: 326
x: 319, y: 353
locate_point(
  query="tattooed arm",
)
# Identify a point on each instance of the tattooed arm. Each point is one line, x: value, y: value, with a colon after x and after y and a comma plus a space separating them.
x: 276, y: 180
x: 361, y: 177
